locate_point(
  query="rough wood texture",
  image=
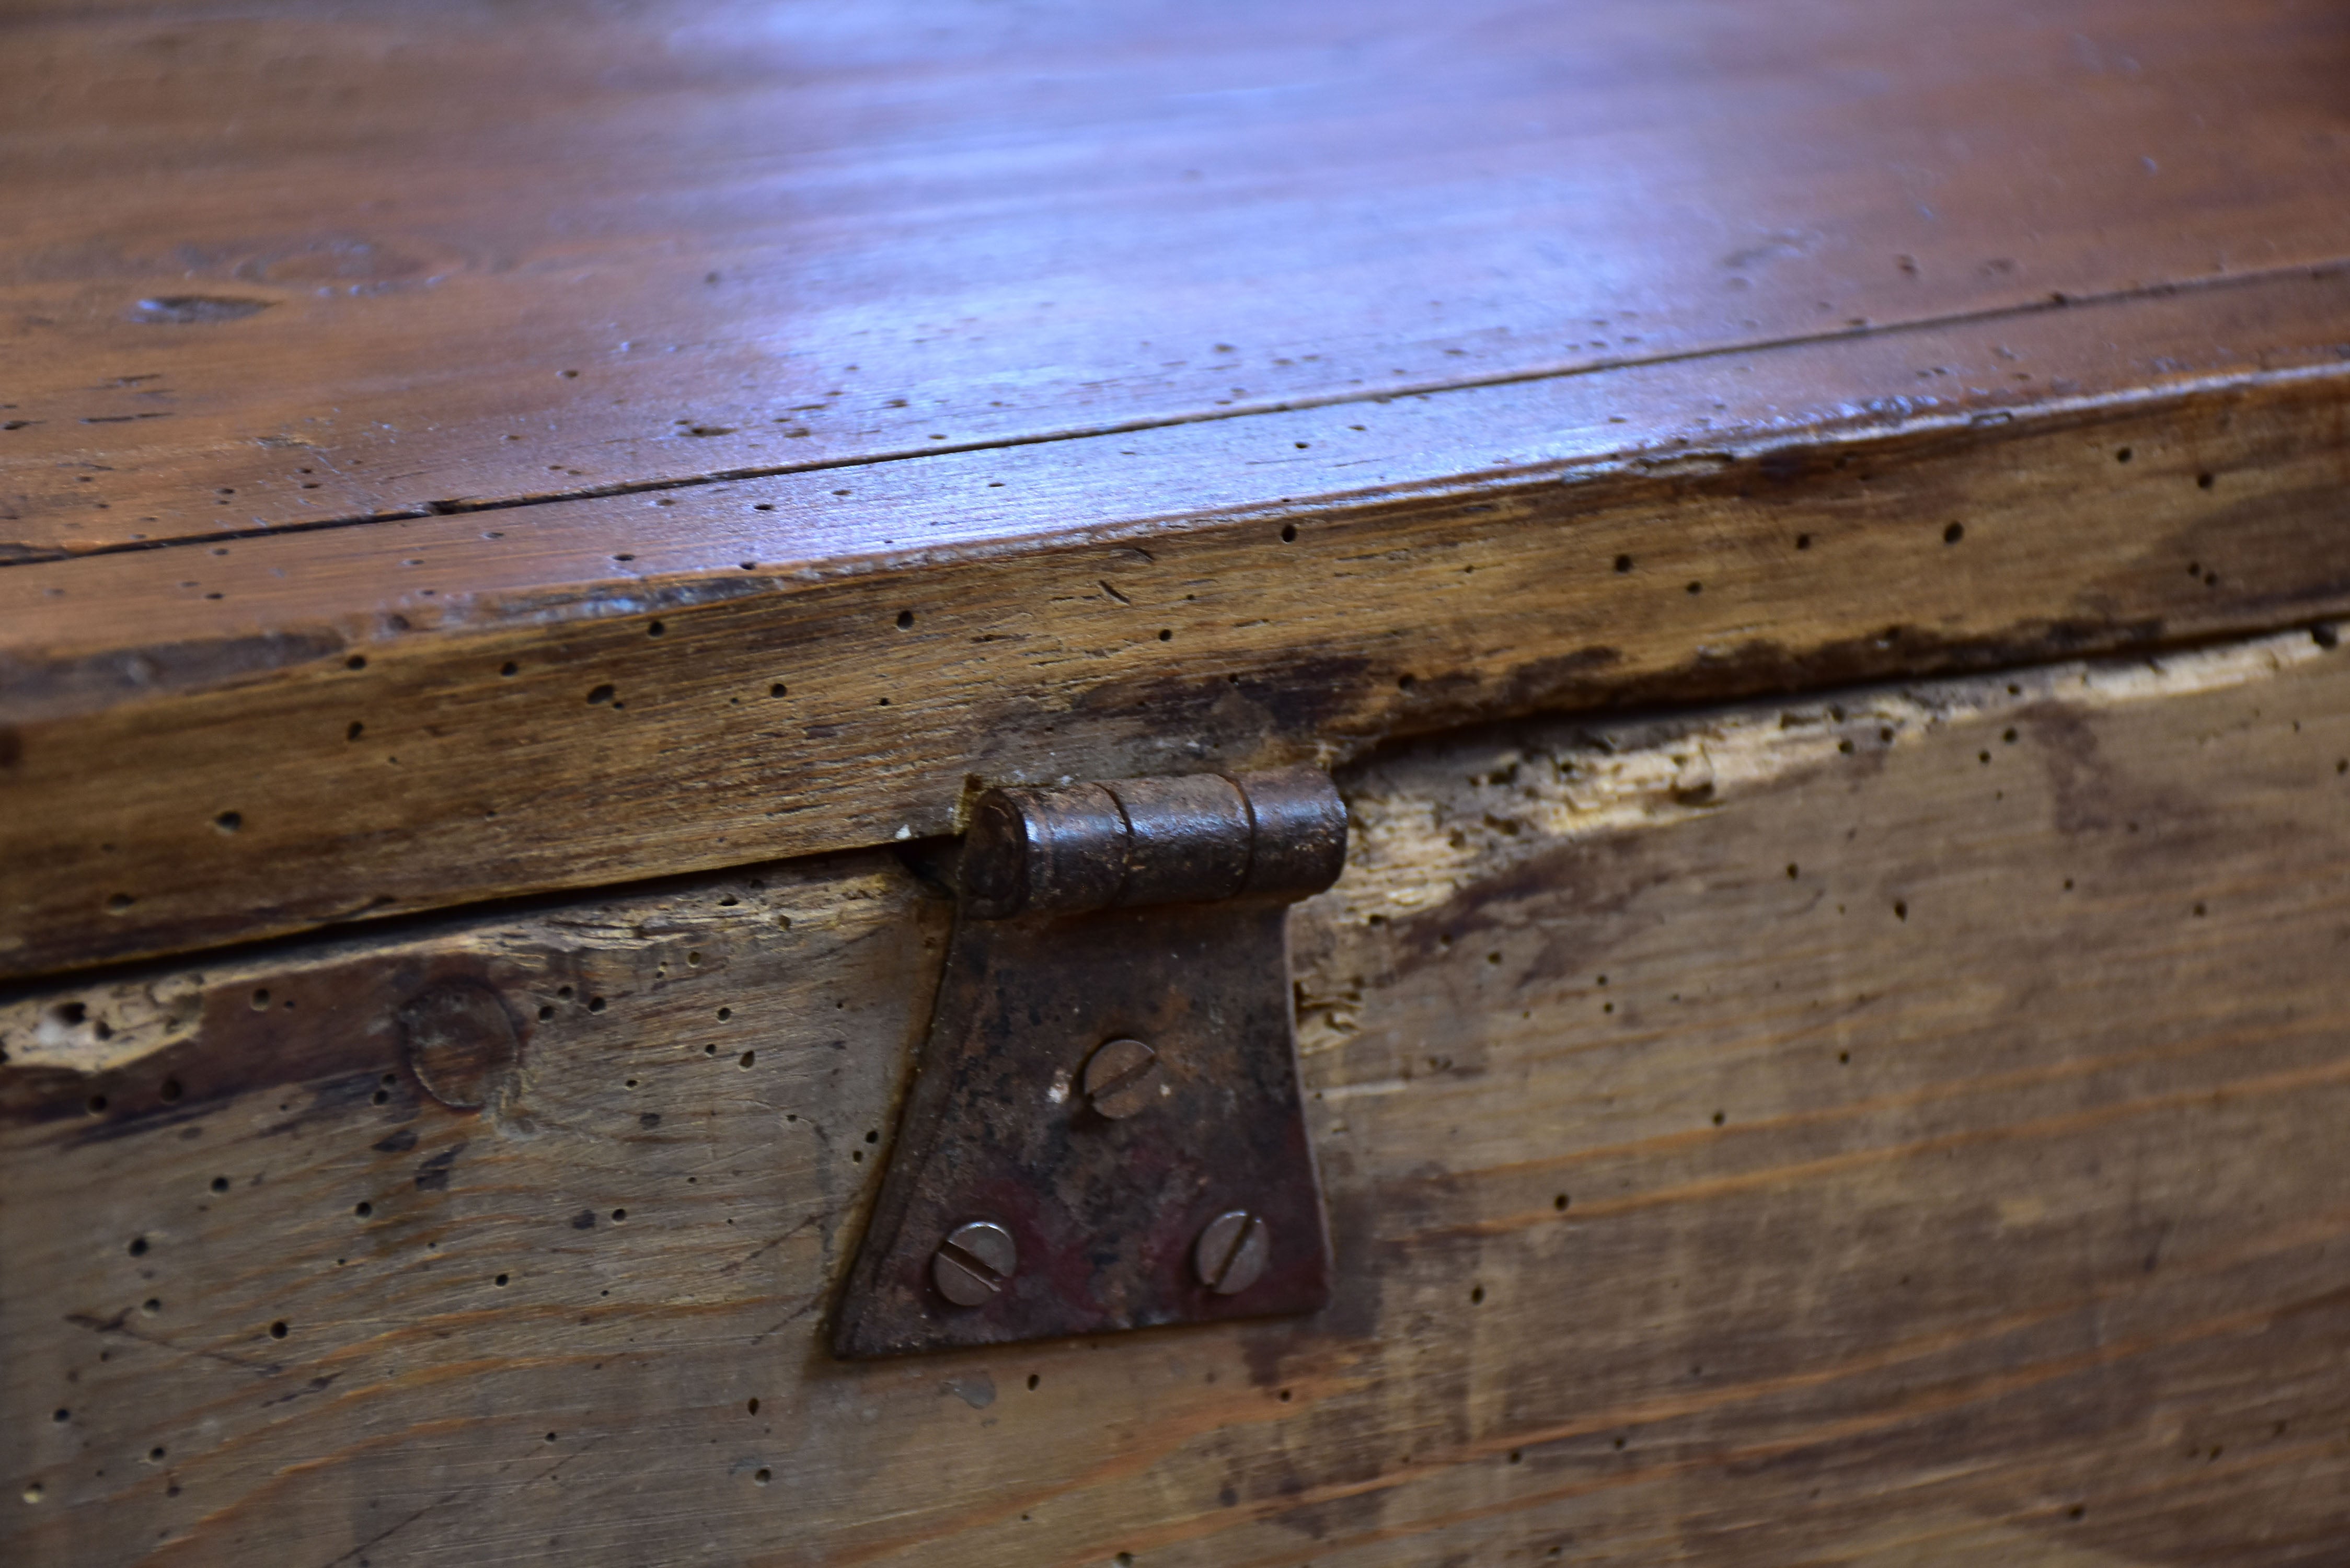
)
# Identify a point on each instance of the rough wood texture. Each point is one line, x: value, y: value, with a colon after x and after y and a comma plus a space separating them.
x: 374, y: 719
x: 1903, y: 1126
x: 275, y: 263
x: 1761, y: 302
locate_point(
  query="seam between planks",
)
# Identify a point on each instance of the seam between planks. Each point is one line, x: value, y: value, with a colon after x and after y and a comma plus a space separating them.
x: 2055, y: 302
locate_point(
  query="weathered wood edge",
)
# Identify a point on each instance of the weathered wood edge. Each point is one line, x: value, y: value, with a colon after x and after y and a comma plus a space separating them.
x: 204, y: 611
x: 555, y: 738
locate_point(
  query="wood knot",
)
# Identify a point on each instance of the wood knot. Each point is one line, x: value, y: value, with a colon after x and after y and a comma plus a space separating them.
x: 459, y: 1043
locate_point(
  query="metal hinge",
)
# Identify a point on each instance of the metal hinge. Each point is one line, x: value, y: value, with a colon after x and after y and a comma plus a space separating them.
x: 1105, y: 1129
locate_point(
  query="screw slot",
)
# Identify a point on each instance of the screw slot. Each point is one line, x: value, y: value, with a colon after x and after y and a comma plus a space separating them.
x: 1231, y: 1253
x: 1121, y: 1078
x: 974, y: 1263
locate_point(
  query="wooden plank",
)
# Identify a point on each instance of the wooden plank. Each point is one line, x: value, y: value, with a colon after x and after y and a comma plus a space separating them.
x: 1902, y: 1126
x: 280, y: 261
x: 206, y: 744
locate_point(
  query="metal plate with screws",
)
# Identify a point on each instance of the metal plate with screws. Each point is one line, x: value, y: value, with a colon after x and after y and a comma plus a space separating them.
x: 1105, y: 1130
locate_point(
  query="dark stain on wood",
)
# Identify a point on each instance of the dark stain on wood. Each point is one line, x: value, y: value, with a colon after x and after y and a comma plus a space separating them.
x: 459, y: 1041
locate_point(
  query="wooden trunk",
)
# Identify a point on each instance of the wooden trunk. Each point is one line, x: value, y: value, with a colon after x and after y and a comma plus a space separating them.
x: 1809, y: 536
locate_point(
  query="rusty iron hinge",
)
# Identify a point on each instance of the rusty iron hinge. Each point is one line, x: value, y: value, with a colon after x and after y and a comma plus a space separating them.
x: 1105, y: 1129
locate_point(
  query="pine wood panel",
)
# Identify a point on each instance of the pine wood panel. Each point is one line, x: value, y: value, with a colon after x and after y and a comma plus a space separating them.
x: 459, y: 708
x: 1898, y: 1125
x: 280, y: 263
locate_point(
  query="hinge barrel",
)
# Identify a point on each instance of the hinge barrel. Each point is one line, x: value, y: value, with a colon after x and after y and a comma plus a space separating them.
x: 1277, y: 836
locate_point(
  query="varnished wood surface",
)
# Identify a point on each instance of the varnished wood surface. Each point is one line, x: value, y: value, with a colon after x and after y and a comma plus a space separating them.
x: 1898, y: 1127
x: 279, y: 264
x: 316, y: 727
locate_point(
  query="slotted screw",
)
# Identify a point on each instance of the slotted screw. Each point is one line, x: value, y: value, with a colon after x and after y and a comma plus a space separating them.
x: 975, y: 1261
x: 1231, y: 1253
x: 1121, y: 1078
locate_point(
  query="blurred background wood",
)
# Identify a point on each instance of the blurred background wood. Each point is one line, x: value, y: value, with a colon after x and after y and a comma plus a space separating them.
x: 288, y: 263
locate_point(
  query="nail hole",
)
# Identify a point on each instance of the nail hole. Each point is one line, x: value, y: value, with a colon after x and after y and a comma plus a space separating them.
x: 228, y: 820
x: 278, y: 1329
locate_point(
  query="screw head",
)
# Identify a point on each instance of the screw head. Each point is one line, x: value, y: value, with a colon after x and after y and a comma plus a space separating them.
x: 973, y: 1263
x: 1121, y: 1078
x: 1231, y: 1255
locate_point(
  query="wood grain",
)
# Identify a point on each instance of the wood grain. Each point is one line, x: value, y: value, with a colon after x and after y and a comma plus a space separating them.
x: 319, y: 727
x: 277, y: 262
x: 1898, y: 1126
